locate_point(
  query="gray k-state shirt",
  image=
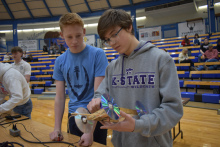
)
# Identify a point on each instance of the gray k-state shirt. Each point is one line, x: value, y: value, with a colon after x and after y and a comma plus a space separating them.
x: 148, y: 75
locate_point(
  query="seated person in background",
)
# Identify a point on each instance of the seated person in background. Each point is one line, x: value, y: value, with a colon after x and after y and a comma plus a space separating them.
x: 183, y: 58
x: 30, y: 58
x: 62, y: 48
x: 51, y: 50
x: 218, y: 45
x: 45, y: 48
x: 196, y: 39
x: 19, y: 64
x: 56, y: 49
x: 25, y: 55
x: 6, y: 57
x: 12, y: 82
x: 212, y: 55
x: 203, y: 49
x: 186, y: 41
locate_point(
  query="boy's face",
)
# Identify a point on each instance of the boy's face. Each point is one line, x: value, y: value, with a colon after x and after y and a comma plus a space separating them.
x: 73, y: 35
x: 122, y: 41
x: 16, y: 55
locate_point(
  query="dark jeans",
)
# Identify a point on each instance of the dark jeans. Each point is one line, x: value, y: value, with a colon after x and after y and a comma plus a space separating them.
x: 25, y: 109
x: 189, y: 52
x: 200, y: 59
x: 211, y: 67
x: 99, y: 135
x: 188, y: 61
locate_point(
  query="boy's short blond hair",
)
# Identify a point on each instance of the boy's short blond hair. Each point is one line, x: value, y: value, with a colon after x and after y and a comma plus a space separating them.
x: 70, y: 19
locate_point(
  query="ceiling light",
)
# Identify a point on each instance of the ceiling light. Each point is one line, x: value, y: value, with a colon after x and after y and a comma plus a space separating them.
x: 140, y: 18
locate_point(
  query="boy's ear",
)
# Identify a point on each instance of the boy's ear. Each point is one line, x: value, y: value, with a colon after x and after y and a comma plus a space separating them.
x: 61, y: 34
x: 84, y: 31
x: 130, y: 28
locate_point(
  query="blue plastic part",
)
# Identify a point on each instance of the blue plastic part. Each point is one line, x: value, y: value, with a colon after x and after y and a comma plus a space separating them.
x: 67, y: 91
x: 38, y: 91
x: 188, y: 95
x: 48, y: 83
x: 211, y: 98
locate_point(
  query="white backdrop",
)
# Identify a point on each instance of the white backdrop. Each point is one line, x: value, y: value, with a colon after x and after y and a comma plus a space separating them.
x: 89, y: 39
x: 28, y: 45
x: 148, y: 34
x: 191, y: 28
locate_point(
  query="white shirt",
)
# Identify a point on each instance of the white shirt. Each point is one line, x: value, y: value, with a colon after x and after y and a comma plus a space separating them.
x: 14, y: 84
x: 23, y: 67
x: 6, y: 57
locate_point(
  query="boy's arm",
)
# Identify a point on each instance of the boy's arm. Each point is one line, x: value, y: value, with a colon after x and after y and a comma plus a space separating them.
x: 59, y: 104
x: 170, y: 111
x: 59, y: 100
x: 97, y: 82
x: 15, y: 90
x: 59, y: 110
x: 27, y: 73
x: 94, y: 105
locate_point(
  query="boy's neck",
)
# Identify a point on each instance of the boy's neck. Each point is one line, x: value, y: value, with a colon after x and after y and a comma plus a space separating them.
x: 83, y: 46
x: 134, y: 43
x: 17, y: 61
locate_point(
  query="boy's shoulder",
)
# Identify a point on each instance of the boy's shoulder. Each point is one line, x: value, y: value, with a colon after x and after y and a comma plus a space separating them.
x: 94, y: 49
x: 25, y: 63
x: 13, y: 74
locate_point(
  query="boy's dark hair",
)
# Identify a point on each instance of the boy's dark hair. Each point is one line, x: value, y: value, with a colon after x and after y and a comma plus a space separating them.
x: 16, y: 49
x: 112, y: 18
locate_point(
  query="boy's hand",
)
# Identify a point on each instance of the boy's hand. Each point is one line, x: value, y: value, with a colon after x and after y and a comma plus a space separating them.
x: 55, y: 136
x: 94, y: 105
x: 127, y: 125
x: 86, y: 139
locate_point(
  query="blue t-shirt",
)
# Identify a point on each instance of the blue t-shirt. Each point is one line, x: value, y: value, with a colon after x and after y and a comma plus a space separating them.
x: 79, y: 71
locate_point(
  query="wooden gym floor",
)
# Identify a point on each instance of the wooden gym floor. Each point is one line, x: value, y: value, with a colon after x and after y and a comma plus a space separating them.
x: 201, y: 127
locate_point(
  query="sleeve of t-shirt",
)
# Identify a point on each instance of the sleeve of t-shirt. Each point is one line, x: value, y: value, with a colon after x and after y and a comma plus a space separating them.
x: 57, y: 73
x: 27, y: 69
x: 215, y: 55
x: 100, y: 64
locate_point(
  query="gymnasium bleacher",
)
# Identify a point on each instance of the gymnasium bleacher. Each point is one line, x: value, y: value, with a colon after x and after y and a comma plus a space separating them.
x: 41, y: 80
x: 33, y: 25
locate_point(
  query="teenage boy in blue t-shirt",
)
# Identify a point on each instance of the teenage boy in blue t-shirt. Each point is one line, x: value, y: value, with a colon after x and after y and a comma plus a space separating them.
x: 82, y: 67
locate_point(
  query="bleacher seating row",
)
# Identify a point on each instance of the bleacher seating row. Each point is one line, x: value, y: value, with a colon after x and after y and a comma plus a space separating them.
x: 42, y: 71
